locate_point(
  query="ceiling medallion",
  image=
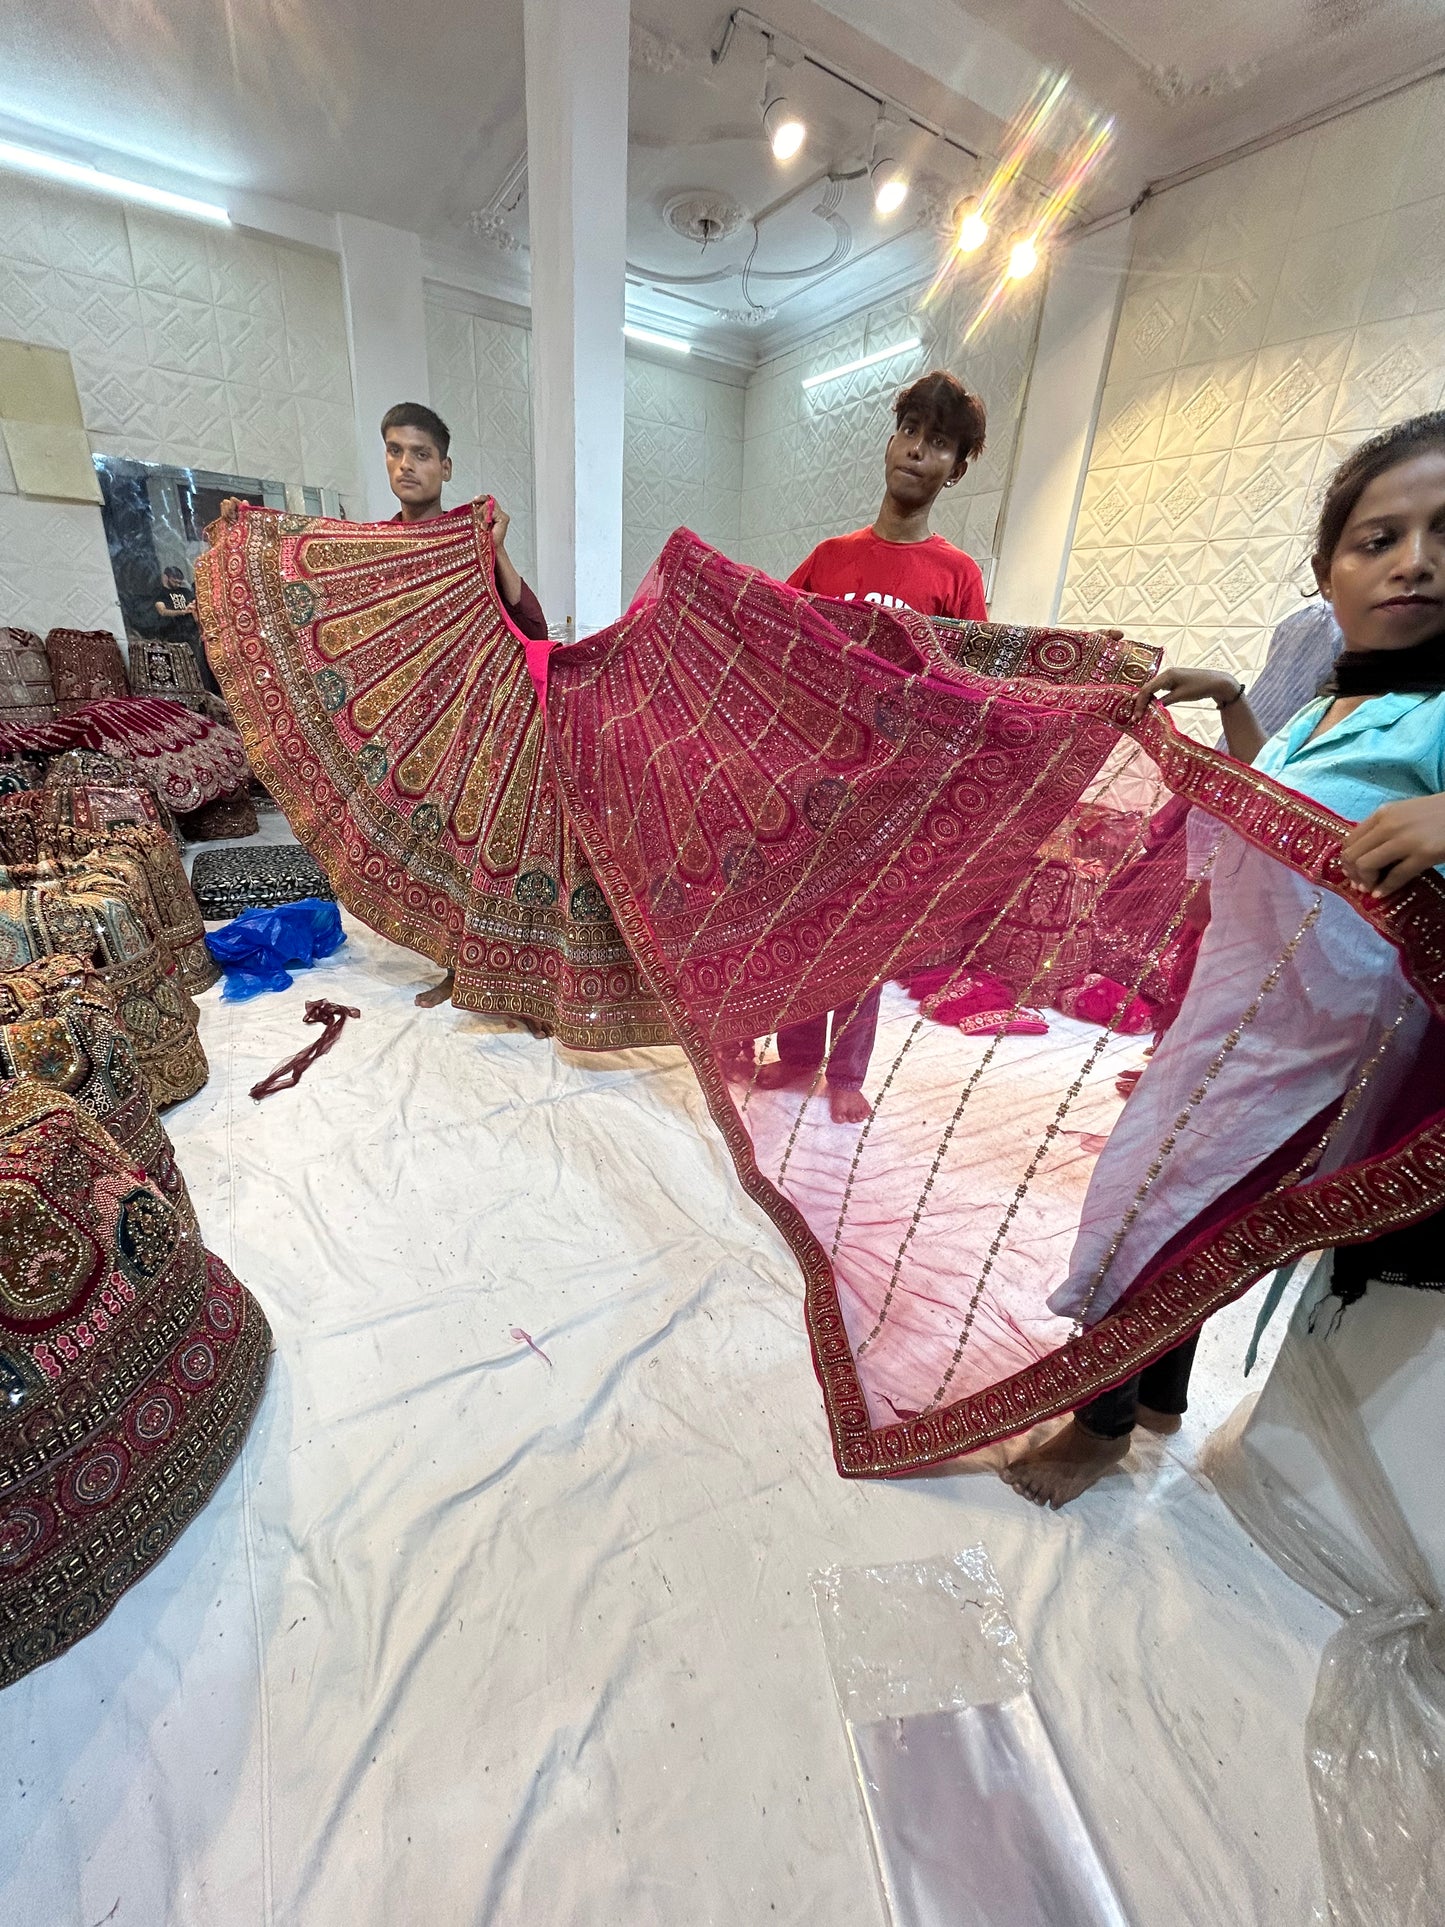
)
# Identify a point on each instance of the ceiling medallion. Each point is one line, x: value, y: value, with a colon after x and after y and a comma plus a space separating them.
x: 748, y: 317
x: 703, y: 217
x: 493, y: 229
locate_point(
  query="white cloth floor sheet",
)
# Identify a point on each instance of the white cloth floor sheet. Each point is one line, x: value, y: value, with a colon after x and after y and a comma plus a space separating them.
x: 470, y: 1637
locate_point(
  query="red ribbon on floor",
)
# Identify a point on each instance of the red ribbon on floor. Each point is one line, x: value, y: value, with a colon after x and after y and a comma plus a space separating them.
x: 332, y: 1018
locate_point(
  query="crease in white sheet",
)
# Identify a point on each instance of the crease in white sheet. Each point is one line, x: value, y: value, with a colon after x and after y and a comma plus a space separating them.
x: 465, y: 1639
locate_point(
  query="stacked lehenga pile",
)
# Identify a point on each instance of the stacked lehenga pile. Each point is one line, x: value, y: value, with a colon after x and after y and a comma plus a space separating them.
x: 89, y: 871
x: 71, y: 692
x: 131, y: 1361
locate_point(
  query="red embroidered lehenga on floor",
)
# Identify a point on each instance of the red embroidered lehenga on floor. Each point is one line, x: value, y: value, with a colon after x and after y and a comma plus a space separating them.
x: 746, y: 808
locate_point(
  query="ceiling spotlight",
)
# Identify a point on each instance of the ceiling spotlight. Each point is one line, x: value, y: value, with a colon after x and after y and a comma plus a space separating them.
x: 1023, y: 259
x: 972, y: 232
x: 890, y: 186
x: 889, y: 177
x: 785, y: 132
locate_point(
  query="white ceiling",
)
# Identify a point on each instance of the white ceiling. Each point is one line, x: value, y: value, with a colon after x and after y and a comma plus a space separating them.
x: 414, y: 115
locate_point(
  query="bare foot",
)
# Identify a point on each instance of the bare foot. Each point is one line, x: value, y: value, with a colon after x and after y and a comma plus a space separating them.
x: 785, y: 1077
x: 848, y: 1107
x: 531, y: 1026
x: 737, y: 1059
x: 1126, y: 1082
x: 1068, y: 1464
x: 438, y: 994
x: 1161, y: 1422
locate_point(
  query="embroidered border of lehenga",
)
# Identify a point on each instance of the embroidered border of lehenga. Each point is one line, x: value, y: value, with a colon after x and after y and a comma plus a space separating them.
x: 131, y: 1363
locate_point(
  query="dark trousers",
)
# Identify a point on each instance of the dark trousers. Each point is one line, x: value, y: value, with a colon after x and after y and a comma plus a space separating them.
x: 804, y: 1046
x: 1162, y: 1386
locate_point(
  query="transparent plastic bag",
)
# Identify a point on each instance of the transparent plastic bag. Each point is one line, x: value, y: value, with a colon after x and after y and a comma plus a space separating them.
x: 971, y: 1819
x: 1375, y: 1735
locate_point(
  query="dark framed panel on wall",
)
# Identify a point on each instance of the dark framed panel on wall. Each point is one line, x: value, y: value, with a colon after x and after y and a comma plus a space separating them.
x: 156, y: 516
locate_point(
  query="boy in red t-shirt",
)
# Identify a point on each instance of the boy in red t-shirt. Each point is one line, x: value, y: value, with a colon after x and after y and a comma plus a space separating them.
x: 899, y: 563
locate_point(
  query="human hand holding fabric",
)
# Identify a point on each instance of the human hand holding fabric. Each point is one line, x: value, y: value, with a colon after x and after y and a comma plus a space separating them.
x: 1242, y: 732
x: 508, y: 580
x: 1189, y: 686
x: 1396, y: 844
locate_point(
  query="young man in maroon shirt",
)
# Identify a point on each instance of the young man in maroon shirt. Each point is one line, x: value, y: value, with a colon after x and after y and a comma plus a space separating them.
x: 899, y: 563
x: 418, y: 466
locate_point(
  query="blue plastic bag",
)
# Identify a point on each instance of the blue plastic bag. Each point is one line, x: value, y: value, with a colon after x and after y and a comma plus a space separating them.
x: 260, y: 949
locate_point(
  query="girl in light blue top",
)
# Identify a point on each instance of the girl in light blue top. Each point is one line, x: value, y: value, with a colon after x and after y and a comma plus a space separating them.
x: 1371, y: 748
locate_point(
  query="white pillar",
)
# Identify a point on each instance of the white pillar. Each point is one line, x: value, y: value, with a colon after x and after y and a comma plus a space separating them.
x: 381, y: 277
x: 577, y: 222
x: 1076, y: 335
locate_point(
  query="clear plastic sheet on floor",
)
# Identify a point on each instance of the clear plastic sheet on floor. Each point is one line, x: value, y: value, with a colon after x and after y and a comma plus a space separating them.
x: 1334, y: 1520
x: 972, y: 1821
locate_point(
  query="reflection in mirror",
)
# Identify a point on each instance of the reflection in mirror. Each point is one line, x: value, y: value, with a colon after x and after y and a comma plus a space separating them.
x: 156, y: 518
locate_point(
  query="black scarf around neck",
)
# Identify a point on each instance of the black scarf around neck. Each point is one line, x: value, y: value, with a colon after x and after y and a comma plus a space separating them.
x: 1416, y: 671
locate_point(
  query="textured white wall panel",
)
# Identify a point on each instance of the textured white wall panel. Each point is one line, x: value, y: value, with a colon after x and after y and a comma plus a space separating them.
x: 1277, y: 312
x: 205, y: 347
x: 54, y: 567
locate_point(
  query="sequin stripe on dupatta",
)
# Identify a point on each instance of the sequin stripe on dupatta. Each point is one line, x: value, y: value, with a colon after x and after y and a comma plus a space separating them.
x: 386, y: 705
x: 131, y: 1364
x: 771, y: 936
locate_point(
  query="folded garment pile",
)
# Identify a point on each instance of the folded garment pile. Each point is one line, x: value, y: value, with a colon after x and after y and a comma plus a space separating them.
x: 131, y: 1360
x: 74, y: 692
x: 88, y: 868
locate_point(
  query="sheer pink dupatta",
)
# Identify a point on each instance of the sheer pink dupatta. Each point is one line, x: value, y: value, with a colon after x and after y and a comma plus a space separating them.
x: 782, y: 816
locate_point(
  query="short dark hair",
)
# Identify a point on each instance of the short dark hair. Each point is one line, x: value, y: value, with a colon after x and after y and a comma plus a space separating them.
x: 941, y: 401
x: 179, y: 574
x: 416, y: 414
x: 1367, y: 464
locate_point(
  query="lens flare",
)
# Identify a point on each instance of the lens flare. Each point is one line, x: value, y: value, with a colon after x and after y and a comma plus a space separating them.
x: 1023, y: 136
x: 972, y: 232
x: 1024, y: 256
